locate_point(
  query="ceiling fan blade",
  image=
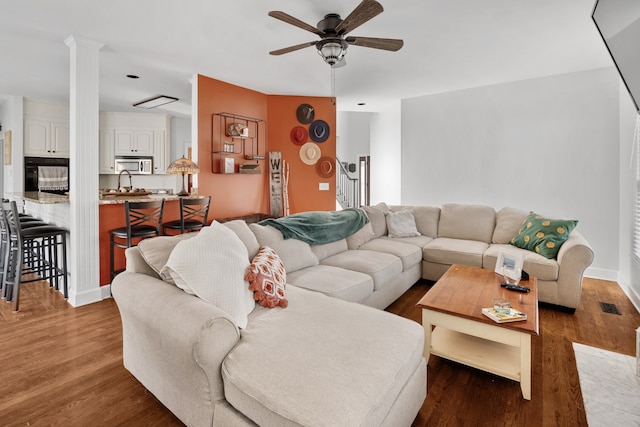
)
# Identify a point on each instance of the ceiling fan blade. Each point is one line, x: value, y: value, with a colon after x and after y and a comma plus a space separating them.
x: 361, y: 14
x: 294, y: 21
x: 292, y: 48
x: 376, y: 43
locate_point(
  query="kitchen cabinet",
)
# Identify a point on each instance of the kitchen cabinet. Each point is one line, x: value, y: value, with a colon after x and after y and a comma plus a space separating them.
x: 135, y: 134
x: 46, y: 138
x: 160, y: 153
x: 107, y: 151
x: 133, y: 142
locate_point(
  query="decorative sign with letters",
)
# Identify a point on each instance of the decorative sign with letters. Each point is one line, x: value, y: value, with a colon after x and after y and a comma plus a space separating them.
x: 275, y: 183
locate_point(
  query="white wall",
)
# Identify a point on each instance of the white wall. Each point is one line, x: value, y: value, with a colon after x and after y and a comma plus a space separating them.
x: 386, y: 154
x: 547, y: 144
x: 353, y: 136
x: 628, y: 268
x: 11, y: 117
x: 180, y: 137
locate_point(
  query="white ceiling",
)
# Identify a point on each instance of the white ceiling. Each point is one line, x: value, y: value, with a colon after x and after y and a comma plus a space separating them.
x: 449, y: 45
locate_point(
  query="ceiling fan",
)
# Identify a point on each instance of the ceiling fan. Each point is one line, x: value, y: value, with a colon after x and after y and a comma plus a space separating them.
x: 332, y: 30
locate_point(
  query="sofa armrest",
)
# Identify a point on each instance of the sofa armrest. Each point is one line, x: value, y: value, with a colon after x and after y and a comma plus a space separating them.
x: 574, y: 257
x: 174, y: 343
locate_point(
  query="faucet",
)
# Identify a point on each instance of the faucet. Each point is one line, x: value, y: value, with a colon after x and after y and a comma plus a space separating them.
x: 120, y: 175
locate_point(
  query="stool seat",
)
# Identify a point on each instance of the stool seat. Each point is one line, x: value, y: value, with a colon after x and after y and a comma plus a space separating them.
x: 189, y: 225
x: 137, y: 231
x: 193, y: 216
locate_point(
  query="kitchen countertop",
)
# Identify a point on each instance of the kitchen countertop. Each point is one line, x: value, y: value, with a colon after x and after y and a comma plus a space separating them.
x: 49, y: 199
x: 116, y: 200
x: 40, y: 197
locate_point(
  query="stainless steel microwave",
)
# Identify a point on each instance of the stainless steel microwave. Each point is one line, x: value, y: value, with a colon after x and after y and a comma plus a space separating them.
x: 135, y: 165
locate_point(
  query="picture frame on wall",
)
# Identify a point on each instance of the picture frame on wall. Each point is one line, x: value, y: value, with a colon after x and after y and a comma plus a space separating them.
x: 509, y: 265
x: 228, y: 165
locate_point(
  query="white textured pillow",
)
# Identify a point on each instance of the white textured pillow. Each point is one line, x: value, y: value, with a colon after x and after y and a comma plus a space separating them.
x: 211, y: 266
x: 401, y: 224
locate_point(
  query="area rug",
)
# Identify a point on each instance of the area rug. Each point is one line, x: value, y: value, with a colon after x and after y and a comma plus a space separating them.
x: 610, y: 387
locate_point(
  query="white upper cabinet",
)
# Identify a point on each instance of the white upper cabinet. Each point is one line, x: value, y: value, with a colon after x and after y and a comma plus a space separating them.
x: 107, y: 151
x: 134, y: 142
x: 46, y: 129
x: 135, y: 134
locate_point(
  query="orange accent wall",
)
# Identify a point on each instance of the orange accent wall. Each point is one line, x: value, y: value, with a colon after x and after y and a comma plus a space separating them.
x: 231, y: 195
x: 304, y: 193
x: 236, y: 195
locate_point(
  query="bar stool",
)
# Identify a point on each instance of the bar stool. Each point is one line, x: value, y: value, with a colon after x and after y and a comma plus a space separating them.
x: 26, y: 221
x: 143, y: 220
x: 41, y: 250
x: 193, y: 216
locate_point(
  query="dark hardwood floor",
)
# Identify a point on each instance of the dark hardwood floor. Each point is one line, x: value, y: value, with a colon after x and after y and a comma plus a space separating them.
x: 63, y: 366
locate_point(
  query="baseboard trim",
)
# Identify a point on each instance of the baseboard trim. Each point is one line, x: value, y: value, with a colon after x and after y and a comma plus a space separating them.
x: 629, y: 292
x: 601, y: 274
x: 84, y: 298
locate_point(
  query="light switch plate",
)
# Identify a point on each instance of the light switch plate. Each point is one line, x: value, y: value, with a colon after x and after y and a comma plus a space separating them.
x: 324, y: 186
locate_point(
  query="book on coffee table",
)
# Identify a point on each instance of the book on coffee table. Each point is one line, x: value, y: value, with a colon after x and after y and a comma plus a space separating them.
x: 513, y: 316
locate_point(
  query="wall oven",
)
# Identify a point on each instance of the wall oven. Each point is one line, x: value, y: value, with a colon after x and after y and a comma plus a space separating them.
x: 46, y: 174
x: 135, y: 165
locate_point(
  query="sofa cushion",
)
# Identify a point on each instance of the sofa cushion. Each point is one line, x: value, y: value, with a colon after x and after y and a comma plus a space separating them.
x: 328, y: 249
x: 295, y: 254
x: 361, y: 236
x: 536, y: 265
x: 426, y: 218
x: 348, y: 379
x: 408, y: 253
x: 419, y: 241
x: 454, y: 251
x: 543, y: 235
x: 211, y: 265
x: 382, y: 268
x: 156, y: 252
x: 508, y: 223
x: 467, y: 222
x: 267, y: 278
x: 401, y: 224
x: 332, y: 281
x: 242, y: 230
x: 376, y: 217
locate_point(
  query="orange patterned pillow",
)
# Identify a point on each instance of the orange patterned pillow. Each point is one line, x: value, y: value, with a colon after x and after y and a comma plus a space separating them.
x: 267, y: 278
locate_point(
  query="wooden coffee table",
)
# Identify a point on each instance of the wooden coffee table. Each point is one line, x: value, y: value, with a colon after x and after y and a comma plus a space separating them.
x: 453, y: 309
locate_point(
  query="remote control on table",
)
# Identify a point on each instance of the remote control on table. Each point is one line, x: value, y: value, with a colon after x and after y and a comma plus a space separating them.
x: 516, y: 288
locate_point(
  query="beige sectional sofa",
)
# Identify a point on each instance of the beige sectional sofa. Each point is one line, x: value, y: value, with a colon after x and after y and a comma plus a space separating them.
x: 324, y: 360
x: 329, y: 358
x: 474, y: 235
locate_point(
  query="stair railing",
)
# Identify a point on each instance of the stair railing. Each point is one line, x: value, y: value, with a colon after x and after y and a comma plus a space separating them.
x: 347, y: 188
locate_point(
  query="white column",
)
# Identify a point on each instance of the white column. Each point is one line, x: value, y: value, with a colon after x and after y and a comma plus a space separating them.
x: 194, y: 125
x: 84, y: 256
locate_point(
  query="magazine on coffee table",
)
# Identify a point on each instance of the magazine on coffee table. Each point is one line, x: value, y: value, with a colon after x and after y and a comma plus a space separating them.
x: 513, y: 316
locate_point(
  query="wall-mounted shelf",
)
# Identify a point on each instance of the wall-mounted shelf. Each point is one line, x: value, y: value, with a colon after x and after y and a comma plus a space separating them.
x: 238, y: 144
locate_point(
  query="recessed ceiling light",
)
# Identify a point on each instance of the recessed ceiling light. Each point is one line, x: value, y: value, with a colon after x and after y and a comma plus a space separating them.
x: 155, y: 101
x: 133, y: 76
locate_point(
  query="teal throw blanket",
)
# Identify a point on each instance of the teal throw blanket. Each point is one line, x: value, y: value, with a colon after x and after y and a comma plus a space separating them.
x: 318, y: 227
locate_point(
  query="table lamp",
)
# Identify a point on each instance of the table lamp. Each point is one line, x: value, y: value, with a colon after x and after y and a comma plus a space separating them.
x: 183, y: 166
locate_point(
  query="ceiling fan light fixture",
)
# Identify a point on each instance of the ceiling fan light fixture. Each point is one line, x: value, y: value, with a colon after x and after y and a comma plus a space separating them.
x: 332, y: 51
